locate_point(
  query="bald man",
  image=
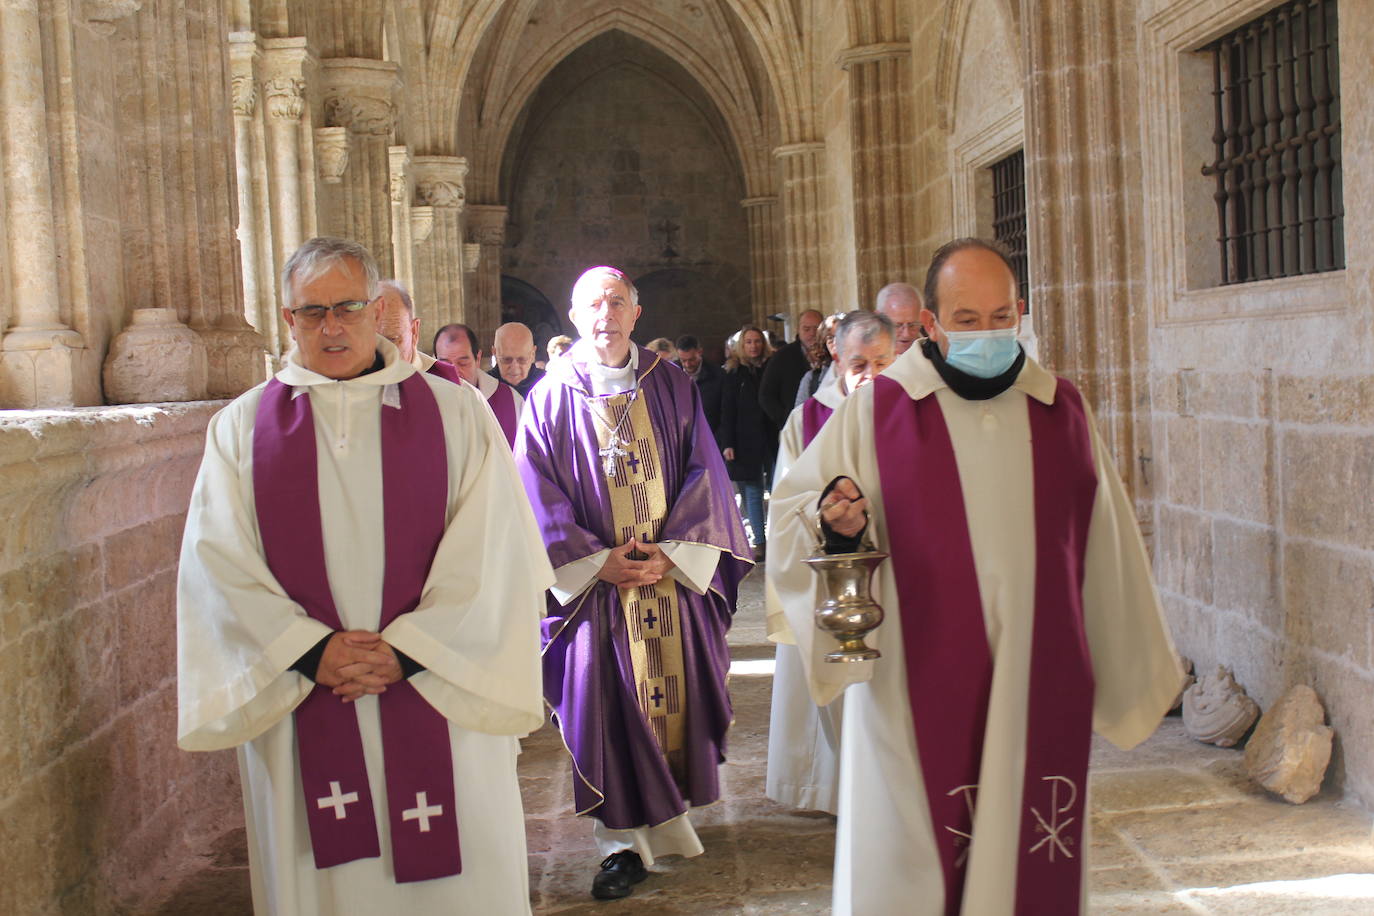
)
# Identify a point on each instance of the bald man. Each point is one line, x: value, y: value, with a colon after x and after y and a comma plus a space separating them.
x: 902, y: 303
x: 456, y: 345
x: 399, y: 325
x: 513, y: 350
x: 778, y: 388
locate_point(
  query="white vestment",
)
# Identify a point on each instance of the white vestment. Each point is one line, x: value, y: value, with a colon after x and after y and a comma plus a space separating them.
x: 475, y: 631
x: 803, y: 738
x: 886, y: 859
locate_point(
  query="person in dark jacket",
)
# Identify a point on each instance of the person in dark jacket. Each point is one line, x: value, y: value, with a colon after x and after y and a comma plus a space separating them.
x: 748, y: 437
x: 709, y: 377
x: 778, y: 390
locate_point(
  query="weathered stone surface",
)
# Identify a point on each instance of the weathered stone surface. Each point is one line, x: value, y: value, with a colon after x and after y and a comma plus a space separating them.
x: 156, y: 358
x: 1216, y: 709
x: 1291, y: 748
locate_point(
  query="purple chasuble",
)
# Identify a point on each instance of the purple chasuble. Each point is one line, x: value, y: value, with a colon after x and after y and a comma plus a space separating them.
x: 502, y: 402
x: 621, y: 776
x: 415, y: 737
x: 948, y: 662
x: 444, y: 371
x: 814, y: 415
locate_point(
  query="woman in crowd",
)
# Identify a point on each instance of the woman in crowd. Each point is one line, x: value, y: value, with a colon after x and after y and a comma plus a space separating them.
x: 748, y: 439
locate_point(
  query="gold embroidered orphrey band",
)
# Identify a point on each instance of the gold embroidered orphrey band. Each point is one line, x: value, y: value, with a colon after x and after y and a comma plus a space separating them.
x: 639, y: 505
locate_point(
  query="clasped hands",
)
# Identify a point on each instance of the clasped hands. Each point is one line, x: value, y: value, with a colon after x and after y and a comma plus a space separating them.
x: 357, y: 663
x: 623, y: 572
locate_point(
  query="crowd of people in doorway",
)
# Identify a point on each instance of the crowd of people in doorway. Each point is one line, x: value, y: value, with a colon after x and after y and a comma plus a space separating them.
x: 396, y: 564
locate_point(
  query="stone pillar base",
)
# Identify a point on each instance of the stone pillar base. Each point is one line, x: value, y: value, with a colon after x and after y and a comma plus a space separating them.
x: 237, y: 360
x: 53, y: 377
x: 156, y: 358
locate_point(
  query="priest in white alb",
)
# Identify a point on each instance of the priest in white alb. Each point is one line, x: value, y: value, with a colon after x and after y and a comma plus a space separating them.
x: 803, y: 738
x: 1021, y: 615
x: 358, y: 610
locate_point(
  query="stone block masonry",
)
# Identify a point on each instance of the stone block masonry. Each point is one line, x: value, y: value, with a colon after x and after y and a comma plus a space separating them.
x: 99, y: 810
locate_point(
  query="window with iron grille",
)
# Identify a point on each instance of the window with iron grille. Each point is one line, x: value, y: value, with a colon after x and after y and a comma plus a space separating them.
x: 1009, y: 216
x: 1277, y: 135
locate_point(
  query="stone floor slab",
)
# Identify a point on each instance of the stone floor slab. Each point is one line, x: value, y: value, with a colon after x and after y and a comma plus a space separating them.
x: 1162, y: 787
x: 1245, y: 830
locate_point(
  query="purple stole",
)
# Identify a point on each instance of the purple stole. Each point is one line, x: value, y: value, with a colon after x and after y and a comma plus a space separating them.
x: 415, y: 737
x: 948, y: 663
x: 814, y: 415
x: 502, y: 403
x: 444, y: 371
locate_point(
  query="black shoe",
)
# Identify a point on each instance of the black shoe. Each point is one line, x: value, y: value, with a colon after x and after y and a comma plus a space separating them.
x: 619, y: 872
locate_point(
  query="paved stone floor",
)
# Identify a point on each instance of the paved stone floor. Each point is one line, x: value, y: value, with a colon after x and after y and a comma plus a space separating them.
x: 1177, y: 828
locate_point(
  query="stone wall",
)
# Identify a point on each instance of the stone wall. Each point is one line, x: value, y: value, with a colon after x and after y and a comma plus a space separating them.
x: 99, y: 811
x: 1261, y: 394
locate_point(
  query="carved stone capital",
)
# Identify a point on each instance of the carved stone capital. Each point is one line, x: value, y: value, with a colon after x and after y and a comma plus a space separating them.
x: 331, y: 153
x: 398, y: 165
x: 244, y: 91
x: 359, y: 94
x: 439, y: 181
x: 487, y: 224
x: 285, y: 97
x: 433, y: 192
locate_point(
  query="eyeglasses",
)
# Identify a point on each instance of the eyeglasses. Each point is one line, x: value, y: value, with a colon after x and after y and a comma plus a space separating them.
x: 312, y: 316
x: 908, y: 326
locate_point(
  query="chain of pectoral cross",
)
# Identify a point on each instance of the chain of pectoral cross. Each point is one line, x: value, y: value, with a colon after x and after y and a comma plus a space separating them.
x: 612, y: 450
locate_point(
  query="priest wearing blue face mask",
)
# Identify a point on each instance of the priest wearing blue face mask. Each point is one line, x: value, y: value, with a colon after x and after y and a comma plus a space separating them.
x: 1021, y: 615
x: 971, y: 319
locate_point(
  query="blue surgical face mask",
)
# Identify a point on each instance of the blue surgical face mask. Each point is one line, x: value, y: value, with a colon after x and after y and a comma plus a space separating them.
x: 985, y: 354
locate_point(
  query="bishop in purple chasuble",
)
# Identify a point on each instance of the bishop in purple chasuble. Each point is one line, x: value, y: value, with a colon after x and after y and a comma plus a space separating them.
x: 635, y: 678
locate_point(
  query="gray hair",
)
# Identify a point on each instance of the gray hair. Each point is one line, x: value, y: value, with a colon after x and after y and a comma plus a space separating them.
x: 319, y: 254
x: 393, y: 286
x: 867, y: 325
x: 604, y: 271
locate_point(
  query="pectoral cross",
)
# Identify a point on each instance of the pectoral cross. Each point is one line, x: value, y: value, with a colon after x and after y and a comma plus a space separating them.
x: 610, y: 453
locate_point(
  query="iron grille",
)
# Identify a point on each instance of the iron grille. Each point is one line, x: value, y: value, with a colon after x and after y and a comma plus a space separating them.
x: 1278, y: 144
x: 1009, y: 216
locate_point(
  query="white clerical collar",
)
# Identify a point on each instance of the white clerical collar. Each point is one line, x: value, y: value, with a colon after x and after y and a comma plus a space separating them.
x: 607, y: 380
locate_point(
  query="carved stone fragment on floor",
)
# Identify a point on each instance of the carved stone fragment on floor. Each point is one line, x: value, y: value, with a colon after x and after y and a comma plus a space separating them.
x: 1291, y: 747
x: 1216, y: 710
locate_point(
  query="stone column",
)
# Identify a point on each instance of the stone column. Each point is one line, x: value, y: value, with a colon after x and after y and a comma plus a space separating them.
x: 439, y: 276
x: 399, y: 169
x: 765, y: 255
x: 883, y: 142
x: 486, y: 227
x: 286, y: 66
x: 254, y: 232
x: 801, y: 225
x: 359, y: 94
x: 1082, y: 166
x: 40, y: 352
